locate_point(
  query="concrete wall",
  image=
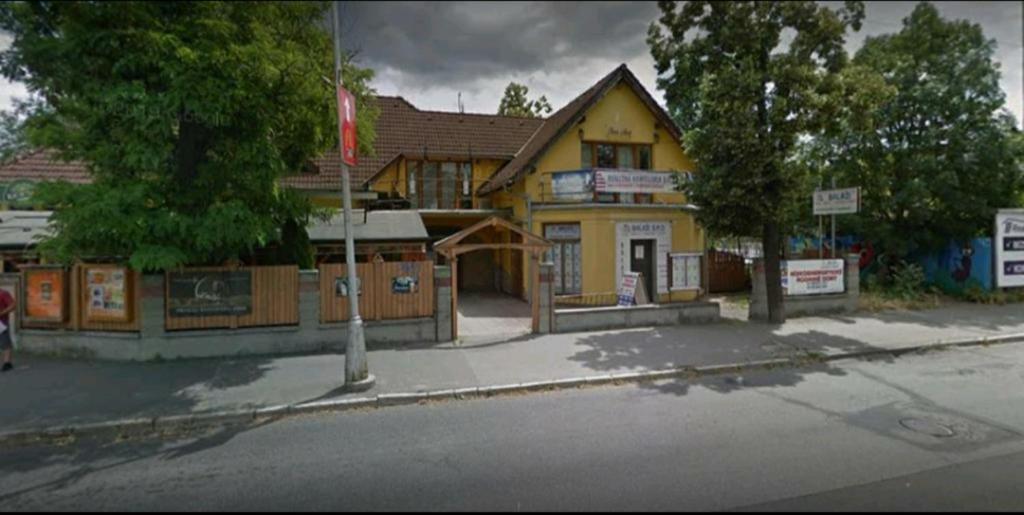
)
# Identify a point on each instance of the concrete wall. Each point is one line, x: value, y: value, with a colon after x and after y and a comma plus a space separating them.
x: 615, y: 317
x: 309, y: 335
x: 808, y: 305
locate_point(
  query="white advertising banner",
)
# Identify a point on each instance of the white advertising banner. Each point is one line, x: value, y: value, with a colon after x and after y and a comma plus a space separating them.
x: 812, y: 276
x: 660, y: 231
x: 836, y: 202
x: 1009, y: 248
x: 630, y: 181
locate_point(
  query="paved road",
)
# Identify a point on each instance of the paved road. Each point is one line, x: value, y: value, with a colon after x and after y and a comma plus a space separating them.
x: 848, y: 436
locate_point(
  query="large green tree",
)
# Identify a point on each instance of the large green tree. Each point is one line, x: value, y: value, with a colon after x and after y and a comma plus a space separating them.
x: 938, y: 158
x: 516, y: 103
x: 744, y: 97
x: 187, y: 115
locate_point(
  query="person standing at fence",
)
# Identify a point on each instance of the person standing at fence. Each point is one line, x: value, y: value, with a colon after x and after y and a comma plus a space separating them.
x: 6, y: 343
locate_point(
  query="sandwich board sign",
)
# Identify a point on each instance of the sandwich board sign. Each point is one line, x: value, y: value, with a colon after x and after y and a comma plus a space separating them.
x: 632, y: 291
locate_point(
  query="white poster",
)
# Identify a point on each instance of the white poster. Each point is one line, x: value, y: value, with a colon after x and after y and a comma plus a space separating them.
x: 812, y: 276
x: 622, y: 181
x: 1009, y: 247
x: 685, y: 271
x: 658, y: 230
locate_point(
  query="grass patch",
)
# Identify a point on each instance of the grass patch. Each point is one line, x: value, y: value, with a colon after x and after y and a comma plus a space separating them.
x: 874, y: 301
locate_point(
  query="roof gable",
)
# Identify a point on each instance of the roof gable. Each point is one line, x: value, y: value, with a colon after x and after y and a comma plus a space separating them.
x: 565, y: 118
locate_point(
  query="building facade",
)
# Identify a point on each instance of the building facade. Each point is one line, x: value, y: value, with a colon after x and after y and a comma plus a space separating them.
x: 597, y: 178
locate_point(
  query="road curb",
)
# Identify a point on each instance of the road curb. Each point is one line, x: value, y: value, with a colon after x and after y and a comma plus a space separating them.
x: 188, y: 422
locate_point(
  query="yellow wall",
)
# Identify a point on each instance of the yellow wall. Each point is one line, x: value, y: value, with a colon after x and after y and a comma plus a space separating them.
x: 622, y: 110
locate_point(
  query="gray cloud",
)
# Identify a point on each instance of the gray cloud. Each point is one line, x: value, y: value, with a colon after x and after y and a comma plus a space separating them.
x: 431, y: 51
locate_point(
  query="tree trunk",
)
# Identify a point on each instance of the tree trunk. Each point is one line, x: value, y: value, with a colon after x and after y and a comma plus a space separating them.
x: 773, y: 273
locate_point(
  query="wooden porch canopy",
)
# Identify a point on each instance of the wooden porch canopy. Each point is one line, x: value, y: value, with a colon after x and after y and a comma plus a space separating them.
x: 452, y: 246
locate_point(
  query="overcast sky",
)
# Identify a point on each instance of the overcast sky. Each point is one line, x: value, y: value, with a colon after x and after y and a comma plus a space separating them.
x: 429, y: 52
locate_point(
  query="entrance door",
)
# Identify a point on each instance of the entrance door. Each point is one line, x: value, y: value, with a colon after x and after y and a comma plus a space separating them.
x: 641, y: 259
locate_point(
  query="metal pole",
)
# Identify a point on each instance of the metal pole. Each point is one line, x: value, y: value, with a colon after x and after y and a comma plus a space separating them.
x: 357, y: 375
x: 833, y: 252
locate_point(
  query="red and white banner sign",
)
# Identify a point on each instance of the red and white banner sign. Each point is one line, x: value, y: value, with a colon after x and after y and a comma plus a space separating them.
x: 347, y: 119
x: 622, y: 181
x: 811, y: 276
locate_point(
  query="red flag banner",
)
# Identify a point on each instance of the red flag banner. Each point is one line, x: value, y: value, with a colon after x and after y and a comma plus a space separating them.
x: 347, y: 123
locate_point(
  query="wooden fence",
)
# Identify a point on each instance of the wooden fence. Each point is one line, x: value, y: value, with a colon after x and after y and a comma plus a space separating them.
x: 77, y: 297
x: 387, y: 293
x: 275, y: 301
x: 727, y: 272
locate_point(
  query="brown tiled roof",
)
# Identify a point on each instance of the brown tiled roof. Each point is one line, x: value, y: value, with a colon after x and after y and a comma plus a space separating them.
x: 402, y: 129
x: 563, y: 119
x: 43, y: 165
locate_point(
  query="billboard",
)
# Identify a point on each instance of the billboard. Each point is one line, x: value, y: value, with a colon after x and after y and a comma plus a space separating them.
x: 812, y: 276
x: 44, y: 294
x: 209, y: 293
x: 1009, y: 248
x: 106, y: 293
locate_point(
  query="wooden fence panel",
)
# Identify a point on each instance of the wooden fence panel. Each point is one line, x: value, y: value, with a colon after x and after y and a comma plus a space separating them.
x: 418, y: 303
x: 727, y: 272
x: 379, y: 301
x: 333, y: 307
x: 275, y: 301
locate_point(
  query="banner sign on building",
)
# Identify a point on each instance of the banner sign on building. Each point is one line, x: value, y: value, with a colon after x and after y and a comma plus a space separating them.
x: 836, y: 202
x: 629, y: 181
x: 684, y: 270
x: 575, y: 185
x: 1009, y: 248
x: 209, y: 293
x: 44, y: 293
x: 107, y: 293
x: 812, y: 276
x: 347, y: 125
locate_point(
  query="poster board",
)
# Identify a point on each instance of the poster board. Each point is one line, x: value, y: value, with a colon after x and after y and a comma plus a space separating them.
x: 200, y: 293
x: 812, y: 276
x: 45, y: 294
x: 684, y: 271
x: 108, y: 291
x: 632, y: 291
x: 1009, y: 248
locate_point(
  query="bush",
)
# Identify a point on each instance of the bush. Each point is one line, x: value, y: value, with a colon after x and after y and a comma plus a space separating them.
x: 908, y: 281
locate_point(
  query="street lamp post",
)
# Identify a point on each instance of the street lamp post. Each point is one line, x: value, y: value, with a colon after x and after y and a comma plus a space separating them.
x: 357, y: 375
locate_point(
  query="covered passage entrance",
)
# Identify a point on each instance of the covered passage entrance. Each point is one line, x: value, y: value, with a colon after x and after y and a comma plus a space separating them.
x: 494, y: 234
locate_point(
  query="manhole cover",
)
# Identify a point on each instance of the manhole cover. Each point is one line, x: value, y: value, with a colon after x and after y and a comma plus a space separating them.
x: 927, y: 427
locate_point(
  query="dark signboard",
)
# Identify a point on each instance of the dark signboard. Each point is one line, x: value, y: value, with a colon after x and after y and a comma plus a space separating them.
x: 209, y: 293
x: 1013, y: 268
x: 1013, y: 243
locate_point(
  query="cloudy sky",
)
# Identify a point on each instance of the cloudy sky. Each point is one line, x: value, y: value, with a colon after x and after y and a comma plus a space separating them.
x: 429, y: 52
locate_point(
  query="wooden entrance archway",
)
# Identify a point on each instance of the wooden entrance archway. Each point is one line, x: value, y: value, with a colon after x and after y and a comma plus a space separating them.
x: 452, y: 246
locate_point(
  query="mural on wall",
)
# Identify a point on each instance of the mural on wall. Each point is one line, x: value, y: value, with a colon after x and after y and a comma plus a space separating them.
x: 960, y: 266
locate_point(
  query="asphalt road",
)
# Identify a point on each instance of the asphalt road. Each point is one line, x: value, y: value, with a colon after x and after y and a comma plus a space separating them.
x: 940, y: 431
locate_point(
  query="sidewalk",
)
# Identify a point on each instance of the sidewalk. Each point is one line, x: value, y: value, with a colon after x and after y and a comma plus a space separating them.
x: 48, y: 392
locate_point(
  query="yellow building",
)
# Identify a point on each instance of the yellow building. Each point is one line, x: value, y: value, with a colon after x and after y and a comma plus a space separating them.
x: 596, y: 178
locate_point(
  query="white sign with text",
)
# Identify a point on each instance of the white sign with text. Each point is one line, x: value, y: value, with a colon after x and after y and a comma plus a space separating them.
x: 812, y: 276
x: 1009, y: 248
x: 836, y: 202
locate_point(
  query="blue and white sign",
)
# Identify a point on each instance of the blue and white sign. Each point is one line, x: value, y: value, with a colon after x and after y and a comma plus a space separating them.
x: 575, y: 185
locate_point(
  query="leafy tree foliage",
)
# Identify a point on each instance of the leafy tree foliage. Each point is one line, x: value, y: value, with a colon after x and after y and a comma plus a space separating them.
x: 938, y: 158
x: 744, y: 97
x: 187, y: 114
x: 516, y: 103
